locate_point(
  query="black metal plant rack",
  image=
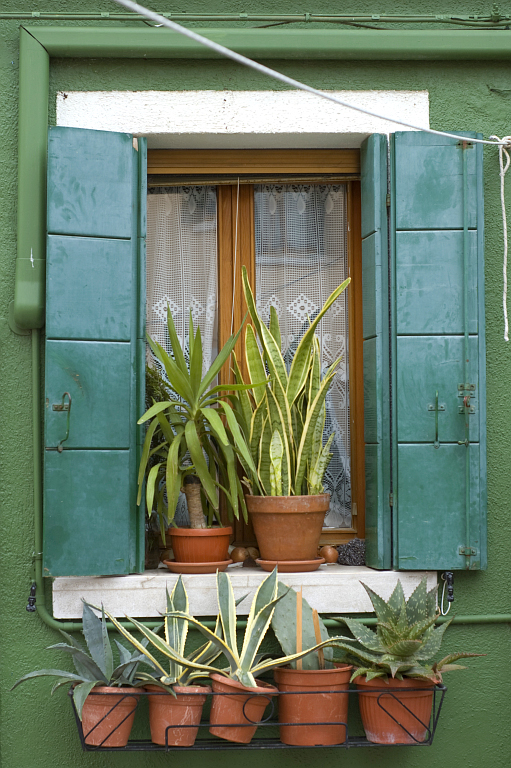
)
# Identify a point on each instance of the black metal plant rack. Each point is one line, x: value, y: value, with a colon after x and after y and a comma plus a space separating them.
x: 205, y: 741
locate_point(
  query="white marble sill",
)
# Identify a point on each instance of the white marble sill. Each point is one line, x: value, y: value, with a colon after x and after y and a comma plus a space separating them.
x: 331, y: 589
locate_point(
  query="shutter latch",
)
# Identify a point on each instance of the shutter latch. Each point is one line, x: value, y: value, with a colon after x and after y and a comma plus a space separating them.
x: 467, y: 392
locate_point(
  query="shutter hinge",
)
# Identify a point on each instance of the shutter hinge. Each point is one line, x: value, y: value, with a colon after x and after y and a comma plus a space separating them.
x: 387, y: 200
x: 391, y: 499
x: 467, y: 551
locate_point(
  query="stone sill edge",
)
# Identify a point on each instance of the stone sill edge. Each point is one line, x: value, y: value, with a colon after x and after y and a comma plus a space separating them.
x: 331, y: 589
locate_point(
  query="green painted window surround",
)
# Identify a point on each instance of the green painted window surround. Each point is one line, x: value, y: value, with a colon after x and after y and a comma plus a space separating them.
x: 38, y: 44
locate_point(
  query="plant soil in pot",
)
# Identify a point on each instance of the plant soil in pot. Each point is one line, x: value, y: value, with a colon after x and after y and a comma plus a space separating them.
x: 380, y: 711
x: 236, y: 717
x: 108, y: 714
x: 288, y: 527
x: 324, y: 700
x: 167, y: 713
x: 200, y: 545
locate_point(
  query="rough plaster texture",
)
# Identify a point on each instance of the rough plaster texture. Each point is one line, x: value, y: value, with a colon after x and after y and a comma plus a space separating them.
x: 474, y: 731
x: 244, y: 119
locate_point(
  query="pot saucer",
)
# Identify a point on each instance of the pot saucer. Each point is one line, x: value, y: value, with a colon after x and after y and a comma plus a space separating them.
x: 221, y: 565
x: 291, y: 566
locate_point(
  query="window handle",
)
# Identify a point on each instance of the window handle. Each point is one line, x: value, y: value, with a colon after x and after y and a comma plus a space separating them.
x: 436, y: 408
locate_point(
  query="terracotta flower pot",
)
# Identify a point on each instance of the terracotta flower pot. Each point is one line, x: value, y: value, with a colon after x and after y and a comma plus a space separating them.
x: 165, y: 711
x: 107, y: 719
x: 236, y: 717
x: 411, y: 709
x: 288, y: 527
x: 313, y: 708
x: 201, y: 545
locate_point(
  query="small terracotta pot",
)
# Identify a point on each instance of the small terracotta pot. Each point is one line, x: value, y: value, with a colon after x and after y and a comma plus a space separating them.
x: 202, y: 545
x: 314, y: 707
x: 241, y: 713
x: 165, y: 711
x: 117, y: 707
x: 288, y: 527
x: 378, y: 709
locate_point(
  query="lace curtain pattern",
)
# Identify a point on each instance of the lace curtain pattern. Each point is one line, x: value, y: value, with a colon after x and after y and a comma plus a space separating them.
x: 182, y: 273
x: 182, y: 264
x: 301, y: 257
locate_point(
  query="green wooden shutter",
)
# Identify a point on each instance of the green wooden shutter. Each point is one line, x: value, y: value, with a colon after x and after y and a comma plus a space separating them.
x: 376, y: 350
x: 438, y: 353
x: 95, y: 318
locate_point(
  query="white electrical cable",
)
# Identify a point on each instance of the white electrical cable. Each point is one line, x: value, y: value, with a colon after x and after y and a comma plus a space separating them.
x: 504, y: 166
x: 442, y: 611
x: 223, y: 51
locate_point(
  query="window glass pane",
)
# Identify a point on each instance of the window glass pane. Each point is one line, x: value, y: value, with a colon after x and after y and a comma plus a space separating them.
x: 182, y: 272
x: 182, y: 264
x: 301, y: 257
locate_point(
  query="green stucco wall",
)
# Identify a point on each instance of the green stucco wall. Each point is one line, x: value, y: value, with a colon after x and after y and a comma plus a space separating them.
x: 39, y: 732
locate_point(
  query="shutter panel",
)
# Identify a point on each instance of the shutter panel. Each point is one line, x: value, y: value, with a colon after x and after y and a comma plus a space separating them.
x: 95, y: 315
x: 438, y: 347
x: 376, y: 350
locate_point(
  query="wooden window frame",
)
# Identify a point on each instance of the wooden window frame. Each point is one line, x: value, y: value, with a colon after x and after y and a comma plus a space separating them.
x: 235, y: 172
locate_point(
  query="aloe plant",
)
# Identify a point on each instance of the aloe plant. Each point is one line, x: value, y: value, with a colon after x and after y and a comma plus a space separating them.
x: 284, y: 623
x: 245, y: 665
x: 95, y: 667
x: 283, y: 420
x: 180, y: 673
x: 187, y: 443
x: 404, y: 639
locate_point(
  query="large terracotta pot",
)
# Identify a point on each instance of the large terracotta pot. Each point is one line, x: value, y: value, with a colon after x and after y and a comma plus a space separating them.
x: 201, y: 545
x: 166, y: 710
x: 312, y: 707
x: 411, y: 709
x: 288, y: 527
x: 236, y: 717
x: 108, y: 714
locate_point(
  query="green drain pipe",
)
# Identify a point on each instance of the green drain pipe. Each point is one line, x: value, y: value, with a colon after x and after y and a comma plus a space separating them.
x: 36, y: 47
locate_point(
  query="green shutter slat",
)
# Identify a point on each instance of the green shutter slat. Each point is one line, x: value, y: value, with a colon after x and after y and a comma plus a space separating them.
x: 375, y: 350
x: 439, y: 510
x: 95, y: 299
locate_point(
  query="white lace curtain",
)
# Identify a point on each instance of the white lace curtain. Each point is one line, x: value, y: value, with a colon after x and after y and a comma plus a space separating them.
x: 182, y: 264
x: 301, y: 257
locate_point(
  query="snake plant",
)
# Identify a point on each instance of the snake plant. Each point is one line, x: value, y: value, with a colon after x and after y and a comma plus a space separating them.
x: 245, y: 665
x: 404, y: 639
x: 187, y: 440
x: 283, y: 420
x: 95, y: 667
x: 182, y: 669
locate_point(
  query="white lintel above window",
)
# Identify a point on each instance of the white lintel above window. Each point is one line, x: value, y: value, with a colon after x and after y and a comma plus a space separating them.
x: 331, y: 589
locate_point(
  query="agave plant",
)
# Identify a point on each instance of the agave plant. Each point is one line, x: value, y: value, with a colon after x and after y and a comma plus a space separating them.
x: 187, y: 440
x: 180, y: 673
x: 405, y: 638
x: 247, y: 664
x: 96, y: 667
x: 283, y: 420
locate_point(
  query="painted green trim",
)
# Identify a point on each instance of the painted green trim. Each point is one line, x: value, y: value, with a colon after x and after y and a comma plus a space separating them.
x: 317, y: 44
x: 33, y: 122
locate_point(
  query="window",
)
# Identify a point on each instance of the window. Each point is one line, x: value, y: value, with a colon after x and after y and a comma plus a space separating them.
x: 422, y: 344
x: 296, y: 217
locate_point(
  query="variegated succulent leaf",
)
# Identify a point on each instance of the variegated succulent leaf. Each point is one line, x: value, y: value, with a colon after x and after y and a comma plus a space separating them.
x: 404, y: 648
x: 418, y: 605
x: 383, y: 610
x: 433, y: 643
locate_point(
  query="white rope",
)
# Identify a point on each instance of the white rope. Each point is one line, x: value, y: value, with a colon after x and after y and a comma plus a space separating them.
x: 223, y: 51
x: 504, y: 166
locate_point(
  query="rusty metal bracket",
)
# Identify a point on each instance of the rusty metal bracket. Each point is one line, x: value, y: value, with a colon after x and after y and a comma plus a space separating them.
x: 467, y: 551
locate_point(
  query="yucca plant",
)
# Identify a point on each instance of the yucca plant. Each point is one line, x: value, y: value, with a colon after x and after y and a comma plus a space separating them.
x: 283, y: 420
x: 182, y: 669
x: 95, y: 668
x: 405, y: 638
x: 187, y: 440
x: 245, y: 665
